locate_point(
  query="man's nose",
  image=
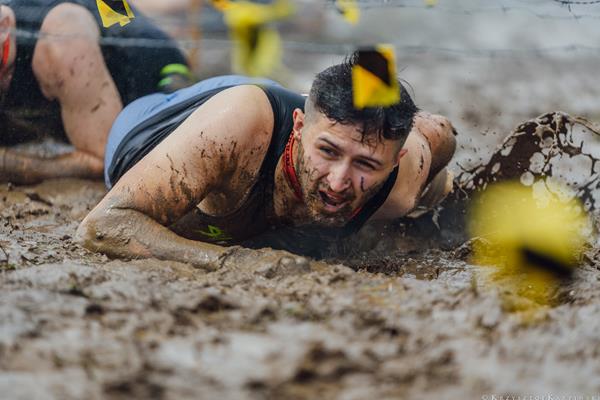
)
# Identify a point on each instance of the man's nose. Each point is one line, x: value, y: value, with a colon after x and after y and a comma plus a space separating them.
x: 339, y: 178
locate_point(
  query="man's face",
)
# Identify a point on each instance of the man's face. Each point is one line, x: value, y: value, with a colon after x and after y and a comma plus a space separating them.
x: 337, y: 172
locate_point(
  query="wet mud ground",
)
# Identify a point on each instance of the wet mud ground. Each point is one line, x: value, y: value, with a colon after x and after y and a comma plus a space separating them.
x: 392, y: 316
x: 402, y: 322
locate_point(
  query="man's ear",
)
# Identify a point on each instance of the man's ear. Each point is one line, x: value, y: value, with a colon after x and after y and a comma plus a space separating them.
x: 401, y: 154
x: 298, y: 117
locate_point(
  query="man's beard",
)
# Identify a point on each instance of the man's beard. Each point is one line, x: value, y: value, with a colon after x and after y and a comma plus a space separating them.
x: 314, y: 201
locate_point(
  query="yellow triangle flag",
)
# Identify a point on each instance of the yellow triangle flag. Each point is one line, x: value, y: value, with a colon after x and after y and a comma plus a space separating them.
x: 349, y: 10
x: 257, y: 47
x: 374, y: 82
x: 110, y: 17
x: 530, y: 240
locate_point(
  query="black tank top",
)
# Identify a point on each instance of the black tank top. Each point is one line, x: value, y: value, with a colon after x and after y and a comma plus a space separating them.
x: 255, y: 216
x: 25, y: 113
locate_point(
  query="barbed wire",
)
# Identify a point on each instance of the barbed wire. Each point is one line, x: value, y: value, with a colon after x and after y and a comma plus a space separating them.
x: 500, y: 8
x: 337, y: 48
x: 569, y: 2
x: 332, y: 48
x: 367, y: 5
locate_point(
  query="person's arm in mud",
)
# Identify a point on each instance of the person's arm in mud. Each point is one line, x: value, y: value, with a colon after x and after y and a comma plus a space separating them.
x: 21, y: 168
x: 202, y: 156
x: 429, y: 148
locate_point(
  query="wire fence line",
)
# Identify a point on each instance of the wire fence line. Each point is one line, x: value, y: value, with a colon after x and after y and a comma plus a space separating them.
x: 332, y: 48
x: 218, y: 38
x: 566, y: 13
x: 571, y: 2
x: 496, y: 10
x: 563, y: 13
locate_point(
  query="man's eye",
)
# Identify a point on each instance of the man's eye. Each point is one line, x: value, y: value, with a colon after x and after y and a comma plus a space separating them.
x: 327, y: 151
x: 365, y: 165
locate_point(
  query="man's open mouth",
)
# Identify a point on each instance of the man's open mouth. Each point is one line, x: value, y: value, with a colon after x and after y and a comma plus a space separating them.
x: 331, y: 202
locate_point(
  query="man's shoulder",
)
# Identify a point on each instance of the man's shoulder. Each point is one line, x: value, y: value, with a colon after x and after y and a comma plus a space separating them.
x: 282, y: 96
x: 250, y: 107
x: 233, y: 127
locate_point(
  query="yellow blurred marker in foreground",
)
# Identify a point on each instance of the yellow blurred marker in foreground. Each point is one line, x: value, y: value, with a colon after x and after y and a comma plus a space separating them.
x: 349, y: 10
x: 533, y: 242
x: 374, y: 82
x: 257, y: 48
x: 114, y: 12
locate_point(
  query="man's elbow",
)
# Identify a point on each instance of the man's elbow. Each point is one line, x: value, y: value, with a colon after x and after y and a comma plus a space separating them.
x: 88, y: 235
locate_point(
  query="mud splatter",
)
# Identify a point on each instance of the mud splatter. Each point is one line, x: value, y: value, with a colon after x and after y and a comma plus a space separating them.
x: 535, y: 150
x: 95, y: 108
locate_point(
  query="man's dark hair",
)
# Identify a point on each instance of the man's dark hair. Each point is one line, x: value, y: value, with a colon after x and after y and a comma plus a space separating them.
x: 331, y: 94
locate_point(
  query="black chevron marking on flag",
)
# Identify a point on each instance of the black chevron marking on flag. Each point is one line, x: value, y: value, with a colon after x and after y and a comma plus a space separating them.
x: 376, y: 63
x: 547, y: 263
x: 117, y: 6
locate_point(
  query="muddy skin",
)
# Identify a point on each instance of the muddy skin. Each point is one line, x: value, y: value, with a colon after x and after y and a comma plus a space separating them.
x: 143, y: 237
x: 179, y: 186
x: 308, y: 181
x: 105, y: 230
x: 244, y: 174
x: 96, y: 107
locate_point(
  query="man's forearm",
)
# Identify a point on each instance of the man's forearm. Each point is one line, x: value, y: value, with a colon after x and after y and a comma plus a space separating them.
x: 26, y: 169
x: 128, y: 233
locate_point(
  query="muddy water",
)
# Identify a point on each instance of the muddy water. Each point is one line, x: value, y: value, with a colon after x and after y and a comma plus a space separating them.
x: 401, y: 320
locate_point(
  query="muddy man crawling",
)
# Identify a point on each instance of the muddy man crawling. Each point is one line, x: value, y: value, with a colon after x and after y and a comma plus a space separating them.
x: 230, y: 158
x: 63, y: 75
